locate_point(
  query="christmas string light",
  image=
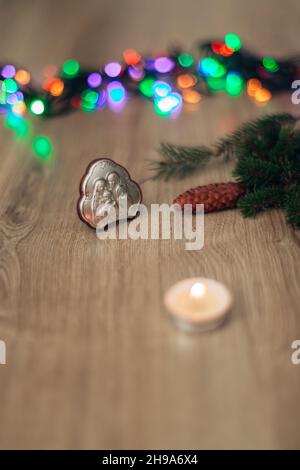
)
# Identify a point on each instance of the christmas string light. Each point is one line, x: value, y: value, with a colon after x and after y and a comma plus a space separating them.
x: 168, y: 80
x: 40, y: 144
x: 221, y: 66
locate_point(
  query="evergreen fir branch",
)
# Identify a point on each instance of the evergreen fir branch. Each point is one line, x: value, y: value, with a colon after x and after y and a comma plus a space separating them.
x: 284, y: 145
x: 286, y: 153
x: 292, y: 206
x: 178, y: 161
x: 297, y: 168
x: 253, y: 172
x: 267, y: 153
x: 259, y: 200
x: 255, y: 138
x: 261, y: 132
x: 295, y: 141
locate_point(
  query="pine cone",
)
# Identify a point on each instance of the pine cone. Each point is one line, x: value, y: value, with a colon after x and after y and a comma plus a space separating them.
x: 215, y: 197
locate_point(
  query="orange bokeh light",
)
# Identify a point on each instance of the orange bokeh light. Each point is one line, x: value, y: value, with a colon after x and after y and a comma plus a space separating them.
x: 55, y: 86
x: 262, y: 95
x: 22, y: 77
x: 186, y: 80
x: 253, y: 85
x: 191, y: 96
x: 131, y: 57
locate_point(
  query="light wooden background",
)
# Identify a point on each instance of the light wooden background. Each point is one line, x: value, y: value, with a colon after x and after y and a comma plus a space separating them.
x: 92, y: 360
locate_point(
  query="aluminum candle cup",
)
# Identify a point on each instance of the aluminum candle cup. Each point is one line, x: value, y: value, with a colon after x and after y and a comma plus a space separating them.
x: 198, y: 304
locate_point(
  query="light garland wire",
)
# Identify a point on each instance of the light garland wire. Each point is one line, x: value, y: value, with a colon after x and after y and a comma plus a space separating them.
x: 170, y: 81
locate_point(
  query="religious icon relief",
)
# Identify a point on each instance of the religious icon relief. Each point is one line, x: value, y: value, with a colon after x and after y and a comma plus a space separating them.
x: 106, y: 185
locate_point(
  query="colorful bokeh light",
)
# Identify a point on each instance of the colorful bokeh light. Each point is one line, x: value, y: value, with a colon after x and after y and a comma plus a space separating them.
x: 270, y: 64
x: 210, y: 67
x: 12, y: 98
x: 164, y: 64
x: 262, y: 96
x: 18, y: 124
x: 70, y: 68
x: 10, y: 85
x: 226, y: 51
x: 253, y: 85
x: 158, y: 76
x: 131, y: 57
x: 136, y: 73
x: 94, y: 80
x: 89, y: 100
x: 191, y: 96
x: 216, y: 84
x: 161, y: 89
x: 186, y: 80
x: 234, y: 83
x: 216, y: 47
x: 22, y: 77
x: 233, y: 41
x: 8, y: 71
x: 113, y: 69
x: 145, y: 87
x: 42, y: 147
x: 55, y: 86
x: 19, y: 108
x: 169, y: 104
x: 37, y: 107
x: 185, y: 60
x: 116, y: 92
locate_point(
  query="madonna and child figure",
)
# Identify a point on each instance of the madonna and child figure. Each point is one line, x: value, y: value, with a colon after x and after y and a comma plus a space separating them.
x: 108, y: 193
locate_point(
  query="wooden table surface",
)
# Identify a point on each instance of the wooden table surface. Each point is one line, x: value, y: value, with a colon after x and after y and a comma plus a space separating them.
x: 92, y: 360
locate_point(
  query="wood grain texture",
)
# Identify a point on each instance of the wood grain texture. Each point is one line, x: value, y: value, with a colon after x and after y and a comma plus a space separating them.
x: 92, y: 361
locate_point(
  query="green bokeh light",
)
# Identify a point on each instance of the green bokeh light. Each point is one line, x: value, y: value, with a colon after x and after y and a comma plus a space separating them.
x: 42, y: 147
x: 70, y: 68
x: 270, y: 64
x: 89, y: 100
x: 17, y: 124
x: 185, y: 60
x: 90, y: 96
x: 233, y: 41
x: 12, y: 120
x: 22, y: 130
x: 10, y: 85
x: 216, y: 84
x: 212, y: 68
x: 145, y: 87
x: 88, y: 107
x: 219, y: 72
x: 234, y: 84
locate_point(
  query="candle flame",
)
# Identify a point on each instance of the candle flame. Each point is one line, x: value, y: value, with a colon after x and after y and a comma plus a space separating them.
x: 198, y: 290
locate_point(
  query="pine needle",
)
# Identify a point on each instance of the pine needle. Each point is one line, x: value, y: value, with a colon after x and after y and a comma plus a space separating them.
x: 267, y: 154
x: 178, y: 161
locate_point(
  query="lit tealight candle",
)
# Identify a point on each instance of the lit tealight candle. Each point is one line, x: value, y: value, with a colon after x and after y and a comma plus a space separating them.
x: 198, y: 304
